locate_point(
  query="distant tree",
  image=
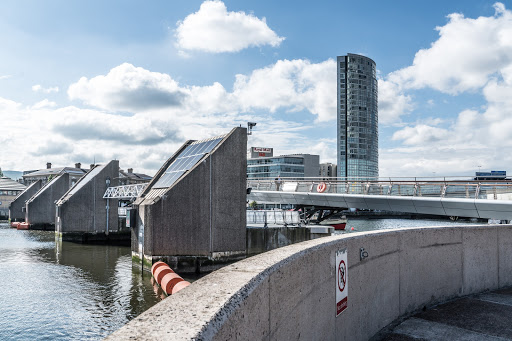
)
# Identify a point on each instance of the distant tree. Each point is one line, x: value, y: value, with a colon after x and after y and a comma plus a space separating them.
x: 1, y: 174
x: 253, y: 204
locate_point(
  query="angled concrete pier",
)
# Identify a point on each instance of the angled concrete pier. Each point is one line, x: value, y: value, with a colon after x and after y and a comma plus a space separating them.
x: 192, y: 214
x: 40, y: 208
x: 82, y: 214
x: 17, y: 207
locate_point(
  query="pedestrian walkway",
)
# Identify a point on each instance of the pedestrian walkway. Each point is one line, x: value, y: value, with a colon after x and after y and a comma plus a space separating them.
x: 482, y: 317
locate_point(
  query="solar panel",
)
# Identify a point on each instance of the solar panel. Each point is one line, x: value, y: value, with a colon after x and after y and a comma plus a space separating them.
x: 186, y: 160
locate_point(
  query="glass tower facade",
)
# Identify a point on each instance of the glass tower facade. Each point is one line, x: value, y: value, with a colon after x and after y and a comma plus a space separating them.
x: 358, y: 135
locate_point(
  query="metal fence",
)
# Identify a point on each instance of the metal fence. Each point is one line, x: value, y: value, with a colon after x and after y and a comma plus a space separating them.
x: 276, y: 217
x: 446, y: 188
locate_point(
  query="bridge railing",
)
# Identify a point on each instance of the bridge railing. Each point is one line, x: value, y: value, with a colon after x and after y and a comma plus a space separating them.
x: 124, y: 192
x: 276, y: 217
x: 456, y: 187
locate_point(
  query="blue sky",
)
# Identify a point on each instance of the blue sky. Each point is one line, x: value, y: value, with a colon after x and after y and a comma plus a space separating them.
x: 123, y: 79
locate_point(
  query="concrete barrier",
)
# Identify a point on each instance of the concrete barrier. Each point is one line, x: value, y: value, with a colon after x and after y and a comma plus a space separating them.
x: 289, y: 293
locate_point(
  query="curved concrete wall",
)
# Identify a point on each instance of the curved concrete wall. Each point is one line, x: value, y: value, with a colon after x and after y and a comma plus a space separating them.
x: 289, y: 293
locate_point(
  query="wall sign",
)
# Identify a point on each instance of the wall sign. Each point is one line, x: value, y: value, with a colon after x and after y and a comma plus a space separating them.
x: 341, y: 281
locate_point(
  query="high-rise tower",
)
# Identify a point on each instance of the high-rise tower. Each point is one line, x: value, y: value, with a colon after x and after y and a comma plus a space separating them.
x: 358, y: 135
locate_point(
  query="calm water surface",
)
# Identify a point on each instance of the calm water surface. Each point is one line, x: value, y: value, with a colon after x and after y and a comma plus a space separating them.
x: 361, y: 224
x: 63, y: 291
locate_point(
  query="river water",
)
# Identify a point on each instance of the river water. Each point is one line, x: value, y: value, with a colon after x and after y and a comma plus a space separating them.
x: 52, y: 290
x: 63, y: 291
x: 361, y: 224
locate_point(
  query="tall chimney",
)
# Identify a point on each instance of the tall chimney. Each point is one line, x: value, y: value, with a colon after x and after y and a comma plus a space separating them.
x: 130, y: 170
x: 78, y: 165
x: 48, y: 165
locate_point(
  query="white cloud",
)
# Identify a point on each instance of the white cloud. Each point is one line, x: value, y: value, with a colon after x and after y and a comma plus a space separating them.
x: 142, y: 117
x: 421, y: 134
x: 39, y: 88
x: 290, y: 85
x: 129, y: 88
x: 474, y: 138
x: 466, y: 54
x: 5, y: 77
x: 45, y: 103
x: 7, y: 105
x: 294, y: 85
x: 393, y: 103
x: 470, y: 55
x: 214, y: 29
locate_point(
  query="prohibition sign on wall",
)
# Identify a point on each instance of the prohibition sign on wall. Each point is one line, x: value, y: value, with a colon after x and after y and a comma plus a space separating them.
x: 342, y: 276
x: 341, y: 281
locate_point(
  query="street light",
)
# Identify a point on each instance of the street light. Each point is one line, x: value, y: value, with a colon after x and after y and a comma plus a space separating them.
x: 107, y: 182
x: 250, y: 125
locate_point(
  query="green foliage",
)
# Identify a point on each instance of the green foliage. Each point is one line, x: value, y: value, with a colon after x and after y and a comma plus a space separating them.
x: 253, y: 204
x: 1, y: 174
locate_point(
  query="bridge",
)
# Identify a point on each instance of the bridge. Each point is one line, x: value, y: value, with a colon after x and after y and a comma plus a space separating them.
x: 456, y: 197
x: 124, y: 192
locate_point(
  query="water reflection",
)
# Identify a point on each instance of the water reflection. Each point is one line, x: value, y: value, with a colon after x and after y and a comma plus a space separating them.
x: 54, y: 290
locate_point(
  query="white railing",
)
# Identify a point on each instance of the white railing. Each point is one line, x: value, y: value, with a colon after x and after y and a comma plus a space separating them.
x: 421, y: 187
x: 276, y: 217
x: 124, y: 192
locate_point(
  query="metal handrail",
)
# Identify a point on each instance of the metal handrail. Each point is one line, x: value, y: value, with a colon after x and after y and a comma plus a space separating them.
x: 469, y: 189
x: 124, y: 192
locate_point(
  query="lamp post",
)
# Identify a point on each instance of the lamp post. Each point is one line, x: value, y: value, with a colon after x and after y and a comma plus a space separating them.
x: 107, y: 182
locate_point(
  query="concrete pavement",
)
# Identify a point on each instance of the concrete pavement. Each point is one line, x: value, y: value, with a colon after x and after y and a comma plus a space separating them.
x: 481, y: 317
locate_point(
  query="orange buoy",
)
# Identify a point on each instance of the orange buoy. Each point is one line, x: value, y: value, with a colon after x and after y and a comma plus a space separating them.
x: 169, y: 281
x: 321, y: 187
x: 161, y: 272
x: 352, y: 228
x: 22, y: 226
x: 179, y: 286
x: 156, y: 266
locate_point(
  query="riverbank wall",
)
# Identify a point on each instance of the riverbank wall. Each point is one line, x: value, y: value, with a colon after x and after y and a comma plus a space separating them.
x: 290, y: 292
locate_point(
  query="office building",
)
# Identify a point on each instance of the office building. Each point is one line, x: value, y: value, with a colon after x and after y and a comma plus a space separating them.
x: 358, y: 137
x: 328, y: 170
x: 293, y: 165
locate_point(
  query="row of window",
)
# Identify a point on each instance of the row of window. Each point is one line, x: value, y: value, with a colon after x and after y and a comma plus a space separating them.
x: 285, y: 160
x: 275, y: 168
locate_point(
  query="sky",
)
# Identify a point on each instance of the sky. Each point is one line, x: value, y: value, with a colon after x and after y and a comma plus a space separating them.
x: 93, y: 81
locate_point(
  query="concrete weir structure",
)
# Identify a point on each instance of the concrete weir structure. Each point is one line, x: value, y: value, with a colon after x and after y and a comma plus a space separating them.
x: 290, y: 293
x: 192, y: 214
x: 40, y: 208
x: 83, y: 215
x: 17, y: 207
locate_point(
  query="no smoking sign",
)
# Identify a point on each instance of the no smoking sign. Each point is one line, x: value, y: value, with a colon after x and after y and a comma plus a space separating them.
x: 341, y: 281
